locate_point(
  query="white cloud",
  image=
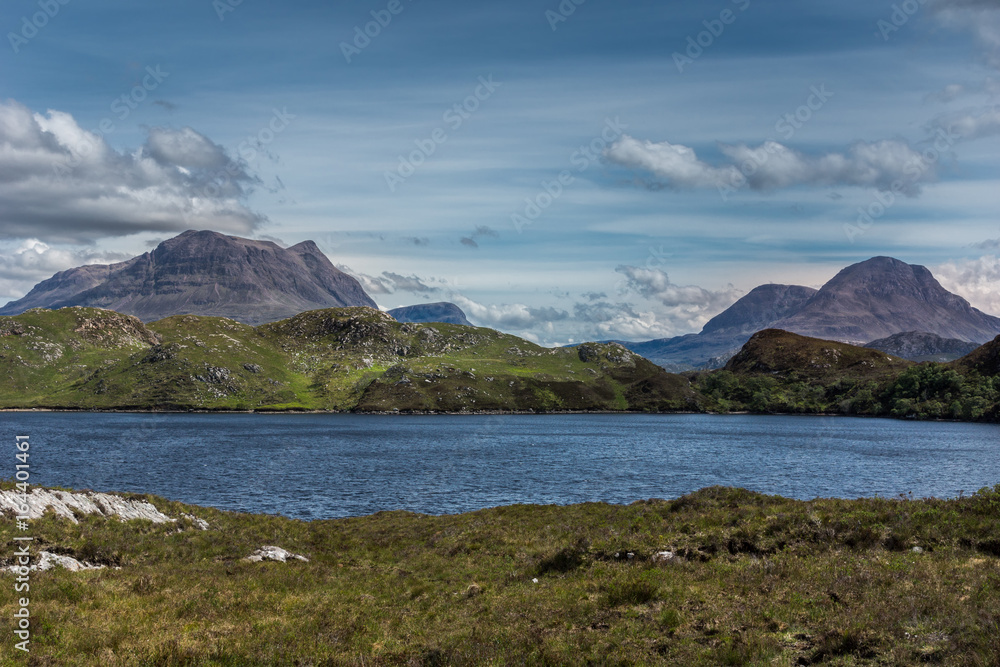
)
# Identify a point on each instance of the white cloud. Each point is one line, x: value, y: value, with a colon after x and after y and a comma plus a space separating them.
x: 64, y: 183
x: 772, y: 165
x: 515, y: 316
x: 978, y: 280
x: 33, y: 261
x: 972, y: 124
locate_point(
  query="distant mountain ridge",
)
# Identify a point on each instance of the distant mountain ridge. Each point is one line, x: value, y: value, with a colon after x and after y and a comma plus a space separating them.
x: 205, y: 273
x: 426, y: 313
x: 868, y: 301
x: 920, y: 346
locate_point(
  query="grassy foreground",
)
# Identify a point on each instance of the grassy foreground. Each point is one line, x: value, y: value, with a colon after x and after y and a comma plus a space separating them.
x: 756, y: 580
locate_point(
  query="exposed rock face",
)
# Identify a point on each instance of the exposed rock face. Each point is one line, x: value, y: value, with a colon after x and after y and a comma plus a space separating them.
x: 921, y: 346
x: 64, y: 503
x: 205, y: 273
x: 871, y: 300
x: 48, y: 561
x: 276, y: 554
x: 445, y: 312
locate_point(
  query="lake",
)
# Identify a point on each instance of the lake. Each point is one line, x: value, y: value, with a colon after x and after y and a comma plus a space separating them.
x: 326, y: 466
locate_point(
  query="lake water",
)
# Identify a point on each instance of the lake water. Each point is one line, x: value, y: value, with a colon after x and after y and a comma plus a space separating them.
x: 325, y: 466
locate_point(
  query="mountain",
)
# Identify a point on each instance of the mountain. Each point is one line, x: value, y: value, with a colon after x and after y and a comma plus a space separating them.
x: 205, y: 273
x: 336, y: 359
x: 922, y: 346
x: 884, y: 296
x: 758, y: 309
x: 725, y: 334
x: 868, y: 301
x: 431, y: 312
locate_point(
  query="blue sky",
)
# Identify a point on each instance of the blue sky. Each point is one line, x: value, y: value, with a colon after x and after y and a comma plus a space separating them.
x: 705, y: 170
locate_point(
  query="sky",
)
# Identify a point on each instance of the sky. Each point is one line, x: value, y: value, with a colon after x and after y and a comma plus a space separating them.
x: 565, y: 171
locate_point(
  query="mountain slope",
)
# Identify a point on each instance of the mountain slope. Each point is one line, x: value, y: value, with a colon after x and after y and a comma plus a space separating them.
x: 985, y: 359
x: 725, y: 334
x: 205, y: 273
x: 425, y: 313
x: 921, y: 346
x: 884, y: 296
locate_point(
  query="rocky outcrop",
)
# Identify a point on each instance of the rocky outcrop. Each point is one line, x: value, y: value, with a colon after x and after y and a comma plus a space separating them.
x: 276, y: 554
x: 48, y: 561
x: 66, y: 504
x: 922, y: 346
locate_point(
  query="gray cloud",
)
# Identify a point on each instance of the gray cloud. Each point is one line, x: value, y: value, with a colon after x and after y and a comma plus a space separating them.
x: 390, y: 283
x: 978, y: 280
x: 773, y: 166
x: 63, y: 183
x: 482, y: 231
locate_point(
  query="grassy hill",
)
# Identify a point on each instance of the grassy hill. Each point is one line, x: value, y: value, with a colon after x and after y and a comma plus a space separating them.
x: 336, y: 359
x: 778, y: 371
x: 750, y: 580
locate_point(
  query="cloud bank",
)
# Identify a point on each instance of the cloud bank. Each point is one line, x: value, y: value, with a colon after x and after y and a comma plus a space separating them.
x: 63, y: 183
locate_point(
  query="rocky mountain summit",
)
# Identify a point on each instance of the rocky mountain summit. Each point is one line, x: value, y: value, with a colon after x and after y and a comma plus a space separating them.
x: 204, y: 273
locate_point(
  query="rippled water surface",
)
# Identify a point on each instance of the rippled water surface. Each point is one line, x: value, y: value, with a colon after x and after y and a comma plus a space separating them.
x: 324, y: 466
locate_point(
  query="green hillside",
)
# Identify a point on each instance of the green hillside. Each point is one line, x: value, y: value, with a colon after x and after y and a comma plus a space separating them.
x: 781, y: 372
x: 336, y: 359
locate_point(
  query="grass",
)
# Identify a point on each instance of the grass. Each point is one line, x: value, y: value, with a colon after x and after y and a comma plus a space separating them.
x: 756, y: 580
x: 335, y: 359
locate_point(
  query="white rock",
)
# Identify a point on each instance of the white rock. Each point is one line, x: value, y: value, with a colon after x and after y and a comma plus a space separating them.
x: 200, y: 523
x: 663, y: 556
x: 47, y: 561
x: 917, y: 550
x: 274, y: 553
x: 63, y: 503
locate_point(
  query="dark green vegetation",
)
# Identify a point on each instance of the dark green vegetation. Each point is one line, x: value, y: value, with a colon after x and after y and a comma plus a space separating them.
x: 361, y: 359
x: 781, y: 372
x: 336, y: 359
x: 754, y: 580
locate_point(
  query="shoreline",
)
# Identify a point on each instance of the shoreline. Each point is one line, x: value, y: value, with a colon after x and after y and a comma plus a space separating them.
x: 477, y: 413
